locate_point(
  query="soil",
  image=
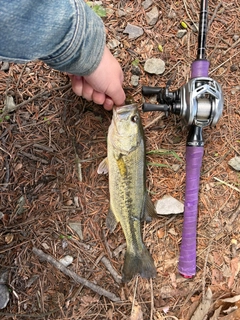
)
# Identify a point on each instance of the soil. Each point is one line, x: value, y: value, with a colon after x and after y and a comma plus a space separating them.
x: 51, y: 146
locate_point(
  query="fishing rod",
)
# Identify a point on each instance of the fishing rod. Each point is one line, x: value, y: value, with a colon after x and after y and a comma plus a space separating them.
x: 199, y: 103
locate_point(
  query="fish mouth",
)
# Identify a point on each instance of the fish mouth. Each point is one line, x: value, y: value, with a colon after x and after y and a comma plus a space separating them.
x: 124, y: 109
x: 123, y: 112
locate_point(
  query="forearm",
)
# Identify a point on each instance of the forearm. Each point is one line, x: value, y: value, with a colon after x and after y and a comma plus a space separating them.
x: 67, y: 35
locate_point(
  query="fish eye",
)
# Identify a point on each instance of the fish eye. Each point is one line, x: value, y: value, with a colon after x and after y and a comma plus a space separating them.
x: 134, y: 118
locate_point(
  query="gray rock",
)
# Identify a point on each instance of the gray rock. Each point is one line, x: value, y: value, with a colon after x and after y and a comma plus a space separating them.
x: 235, y: 37
x: 235, y: 163
x: 181, y: 33
x: 146, y: 4
x: 134, y: 80
x: 121, y: 13
x: 113, y: 43
x: 152, y: 16
x: 169, y: 205
x: 133, y: 31
x: 136, y: 70
x: 4, y: 296
x: 154, y: 66
x: 5, y: 66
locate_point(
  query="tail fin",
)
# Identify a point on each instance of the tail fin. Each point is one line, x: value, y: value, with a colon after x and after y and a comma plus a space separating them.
x: 140, y: 263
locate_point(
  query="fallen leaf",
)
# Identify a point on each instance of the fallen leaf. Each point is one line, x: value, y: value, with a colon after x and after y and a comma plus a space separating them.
x: 235, y: 268
x: 136, y: 313
x: 204, y: 306
x: 9, y: 105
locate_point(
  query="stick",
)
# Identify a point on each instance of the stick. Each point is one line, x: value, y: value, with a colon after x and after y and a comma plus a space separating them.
x: 110, y: 268
x: 102, y: 292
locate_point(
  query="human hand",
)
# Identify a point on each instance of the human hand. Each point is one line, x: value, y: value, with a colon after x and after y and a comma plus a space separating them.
x: 104, y: 85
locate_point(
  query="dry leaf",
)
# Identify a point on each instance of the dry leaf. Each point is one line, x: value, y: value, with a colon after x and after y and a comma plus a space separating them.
x: 9, y: 105
x: 136, y: 313
x: 203, y: 308
x: 235, y: 268
x: 9, y: 238
x: 217, y: 277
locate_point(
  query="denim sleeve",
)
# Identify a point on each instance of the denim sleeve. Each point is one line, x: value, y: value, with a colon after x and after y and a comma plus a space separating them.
x: 65, y: 34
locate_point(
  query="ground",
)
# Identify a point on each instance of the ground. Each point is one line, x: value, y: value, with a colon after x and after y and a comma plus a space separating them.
x: 50, y: 149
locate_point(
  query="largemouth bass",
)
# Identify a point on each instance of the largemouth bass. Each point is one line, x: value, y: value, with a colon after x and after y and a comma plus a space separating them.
x: 129, y: 201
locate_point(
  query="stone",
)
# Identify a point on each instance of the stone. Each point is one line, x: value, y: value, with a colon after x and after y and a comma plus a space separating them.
x: 113, y: 43
x: 169, y: 205
x: 181, y: 33
x: 235, y: 163
x: 146, y: 4
x: 154, y: 66
x: 152, y: 16
x: 133, y: 31
x: 134, y: 80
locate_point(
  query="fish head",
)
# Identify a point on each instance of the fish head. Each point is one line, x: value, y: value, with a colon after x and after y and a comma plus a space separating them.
x: 126, y: 131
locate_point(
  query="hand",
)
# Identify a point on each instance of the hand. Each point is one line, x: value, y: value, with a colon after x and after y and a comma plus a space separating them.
x: 104, y: 85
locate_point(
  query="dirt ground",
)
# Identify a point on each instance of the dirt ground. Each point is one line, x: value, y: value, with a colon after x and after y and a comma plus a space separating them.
x: 50, y: 149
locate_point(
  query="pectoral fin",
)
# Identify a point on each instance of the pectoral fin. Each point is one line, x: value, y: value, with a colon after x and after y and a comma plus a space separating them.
x: 111, y: 221
x: 149, y: 210
x: 103, y: 167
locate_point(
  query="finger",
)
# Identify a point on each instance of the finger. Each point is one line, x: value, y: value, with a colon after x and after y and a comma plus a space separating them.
x: 77, y: 84
x: 87, y: 91
x: 98, y: 97
x: 108, y: 104
x: 117, y: 95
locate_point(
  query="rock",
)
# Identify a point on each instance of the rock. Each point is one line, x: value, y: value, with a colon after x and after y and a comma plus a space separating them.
x: 121, y: 13
x: 235, y: 163
x: 4, y: 291
x: 154, y: 66
x: 152, y: 16
x: 5, y: 66
x: 136, y: 70
x: 77, y: 227
x: 134, y: 80
x: 113, y: 43
x: 235, y: 37
x: 133, y: 31
x: 181, y: 33
x: 4, y: 296
x: 146, y: 4
x: 169, y: 205
x: 66, y: 261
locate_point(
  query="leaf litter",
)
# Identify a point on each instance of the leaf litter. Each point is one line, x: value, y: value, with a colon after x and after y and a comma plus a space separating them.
x: 51, y: 128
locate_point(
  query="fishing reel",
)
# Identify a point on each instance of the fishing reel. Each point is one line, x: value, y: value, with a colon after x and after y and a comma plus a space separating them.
x: 199, y: 102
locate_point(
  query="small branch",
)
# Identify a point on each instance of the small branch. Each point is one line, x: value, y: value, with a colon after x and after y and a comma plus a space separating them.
x: 220, y: 65
x: 227, y: 184
x: 36, y: 97
x: 214, y: 13
x: 110, y: 268
x: 102, y: 292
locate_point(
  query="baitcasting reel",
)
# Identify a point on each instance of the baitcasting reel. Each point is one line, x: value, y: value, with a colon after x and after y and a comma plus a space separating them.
x: 199, y: 102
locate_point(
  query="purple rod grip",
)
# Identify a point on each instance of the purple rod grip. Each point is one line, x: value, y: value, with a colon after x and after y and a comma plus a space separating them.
x: 187, y: 259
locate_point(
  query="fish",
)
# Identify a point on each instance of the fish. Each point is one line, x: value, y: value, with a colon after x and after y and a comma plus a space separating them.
x: 130, y: 203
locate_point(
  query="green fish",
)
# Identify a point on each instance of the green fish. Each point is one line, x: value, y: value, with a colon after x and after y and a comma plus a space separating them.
x: 129, y: 202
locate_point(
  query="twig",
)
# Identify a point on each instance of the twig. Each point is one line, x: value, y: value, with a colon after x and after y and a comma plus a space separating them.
x: 102, y: 292
x: 227, y: 184
x: 232, y: 46
x: 189, y: 15
x: 37, y: 96
x: 214, y: 13
x: 224, y: 62
x: 32, y: 157
x: 110, y: 268
x: 154, y: 120
x: 205, y: 268
x: 134, y: 294
x: 152, y: 299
